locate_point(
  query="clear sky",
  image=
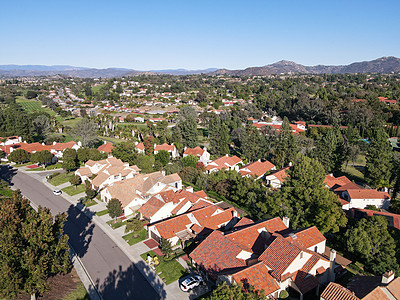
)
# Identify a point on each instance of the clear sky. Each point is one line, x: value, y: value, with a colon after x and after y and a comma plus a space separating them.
x: 161, y: 34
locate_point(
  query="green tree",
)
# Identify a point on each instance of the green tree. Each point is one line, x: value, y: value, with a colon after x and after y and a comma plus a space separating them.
x: 86, y: 131
x: 287, y: 146
x: 90, y: 193
x: 219, y: 136
x: 114, y: 207
x: 369, y: 240
x: 34, y: 247
x: 163, y: 157
x: 166, y: 247
x: 31, y: 94
x: 190, y: 161
x: 125, y: 151
x: 70, y: 159
x: 187, y: 125
x: 306, y: 201
x: 379, y: 160
x: 134, y: 225
x: 42, y: 126
x: 235, y: 292
x: 19, y: 156
x: 145, y: 163
x: 83, y: 154
x: 75, y: 180
x: 43, y: 157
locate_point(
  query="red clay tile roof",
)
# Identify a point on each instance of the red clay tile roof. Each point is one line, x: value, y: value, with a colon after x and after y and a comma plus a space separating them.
x: 201, y: 194
x: 335, y: 291
x: 165, y: 147
x: 200, y: 204
x: 350, y: 185
x: 258, y: 276
x: 279, y: 255
x: 224, y: 162
x: 243, y: 222
x: 107, y: 147
x: 196, y: 228
x: 308, y: 237
x: 332, y: 182
x: 62, y: 146
x: 394, y: 287
x: 394, y: 219
x: 217, y: 253
x: 281, y: 174
x: 140, y: 146
x: 249, y: 237
x: 367, y: 194
x: 213, y: 216
x: 194, y: 151
x: 179, y: 206
x: 377, y: 294
x: 168, y: 228
x: 152, y: 206
x: 257, y: 168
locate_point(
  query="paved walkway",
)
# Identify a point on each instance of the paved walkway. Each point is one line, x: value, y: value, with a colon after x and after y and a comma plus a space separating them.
x: 132, y: 252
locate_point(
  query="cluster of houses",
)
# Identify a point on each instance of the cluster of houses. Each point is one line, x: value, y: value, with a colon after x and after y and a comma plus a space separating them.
x: 9, y: 144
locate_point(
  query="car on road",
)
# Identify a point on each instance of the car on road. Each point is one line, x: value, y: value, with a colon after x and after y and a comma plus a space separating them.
x: 191, y: 282
x: 57, y: 192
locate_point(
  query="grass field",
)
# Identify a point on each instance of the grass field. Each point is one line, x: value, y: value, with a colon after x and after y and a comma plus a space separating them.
x: 110, y: 139
x: 355, y: 171
x: 32, y: 106
x: 61, y: 178
x: 79, y: 293
x: 102, y: 213
x: 97, y: 88
x: 70, y: 190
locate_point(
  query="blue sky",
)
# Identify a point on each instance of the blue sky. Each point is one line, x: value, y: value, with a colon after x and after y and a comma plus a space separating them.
x: 153, y: 34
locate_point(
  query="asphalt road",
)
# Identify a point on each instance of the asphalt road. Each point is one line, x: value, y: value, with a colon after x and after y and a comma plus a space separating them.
x: 113, y: 273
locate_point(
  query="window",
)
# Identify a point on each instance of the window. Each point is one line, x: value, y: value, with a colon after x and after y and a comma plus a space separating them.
x: 115, y: 176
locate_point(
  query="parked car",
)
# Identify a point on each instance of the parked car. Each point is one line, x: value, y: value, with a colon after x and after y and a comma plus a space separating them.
x: 191, y: 282
x: 57, y: 192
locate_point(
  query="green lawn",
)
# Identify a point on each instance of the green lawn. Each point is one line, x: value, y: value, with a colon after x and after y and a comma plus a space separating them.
x: 22, y: 165
x: 116, y: 225
x: 51, y: 167
x: 70, y: 190
x: 354, y: 171
x: 6, y: 192
x: 60, y: 179
x: 32, y: 106
x: 90, y: 203
x: 97, y: 88
x: 102, y: 212
x: 170, y: 270
x: 71, y: 122
x: 79, y: 293
x: 134, y: 238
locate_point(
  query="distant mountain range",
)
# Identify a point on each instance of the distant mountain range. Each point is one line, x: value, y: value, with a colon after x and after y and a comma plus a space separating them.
x: 381, y: 65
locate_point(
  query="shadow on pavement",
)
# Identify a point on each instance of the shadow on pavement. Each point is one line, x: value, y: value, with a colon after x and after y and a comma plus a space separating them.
x: 7, y: 174
x: 130, y: 284
x: 80, y: 234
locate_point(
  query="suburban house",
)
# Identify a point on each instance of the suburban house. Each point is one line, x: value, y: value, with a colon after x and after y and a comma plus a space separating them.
x: 195, y: 223
x: 393, y: 219
x: 11, y: 140
x: 225, y: 162
x: 256, y: 169
x: 355, y: 195
x: 385, y: 287
x: 202, y: 154
x: 169, y: 148
x: 276, y: 179
x: 107, y: 171
x: 106, y: 148
x: 267, y: 255
x: 57, y: 149
x: 136, y: 191
x: 139, y: 147
x: 169, y: 203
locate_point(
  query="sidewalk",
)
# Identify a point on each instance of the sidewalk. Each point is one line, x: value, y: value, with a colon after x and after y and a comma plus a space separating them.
x: 172, y: 290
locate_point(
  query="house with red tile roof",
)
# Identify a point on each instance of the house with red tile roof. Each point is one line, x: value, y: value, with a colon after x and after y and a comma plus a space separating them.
x: 136, y: 191
x: 256, y: 169
x: 199, y: 222
x: 335, y: 291
x: 202, y: 154
x: 267, y: 250
x: 169, y: 148
x: 393, y: 219
x: 276, y: 179
x: 386, y: 100
x: 354, y: 196
x: 140, y: 147
x: 169, y: 203
x: 224, y: 163
x: 106, y: 147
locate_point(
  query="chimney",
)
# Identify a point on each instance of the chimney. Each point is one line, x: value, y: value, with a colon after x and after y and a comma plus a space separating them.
x: 385, y: 189
x: 184, y: 149
x: 332, y: 257
x: 290, y: 164
x: 189, y: 189
x: 163, y: 173
x: 205, y: 148
x: 387, y: 277
x: 226, y: 155
x: 54, y: 143
x: 235, y: 214
x: 43, y: 144
x: 105, y: 142
x: 136, y: 143
x: 286, y: 221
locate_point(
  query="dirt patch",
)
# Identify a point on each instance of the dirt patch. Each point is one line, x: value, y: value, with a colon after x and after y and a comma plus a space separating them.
x: 60, y: 286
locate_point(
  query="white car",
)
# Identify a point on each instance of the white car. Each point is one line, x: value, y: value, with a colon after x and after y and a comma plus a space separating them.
x: 57, y: 192
x: 191, y: 282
